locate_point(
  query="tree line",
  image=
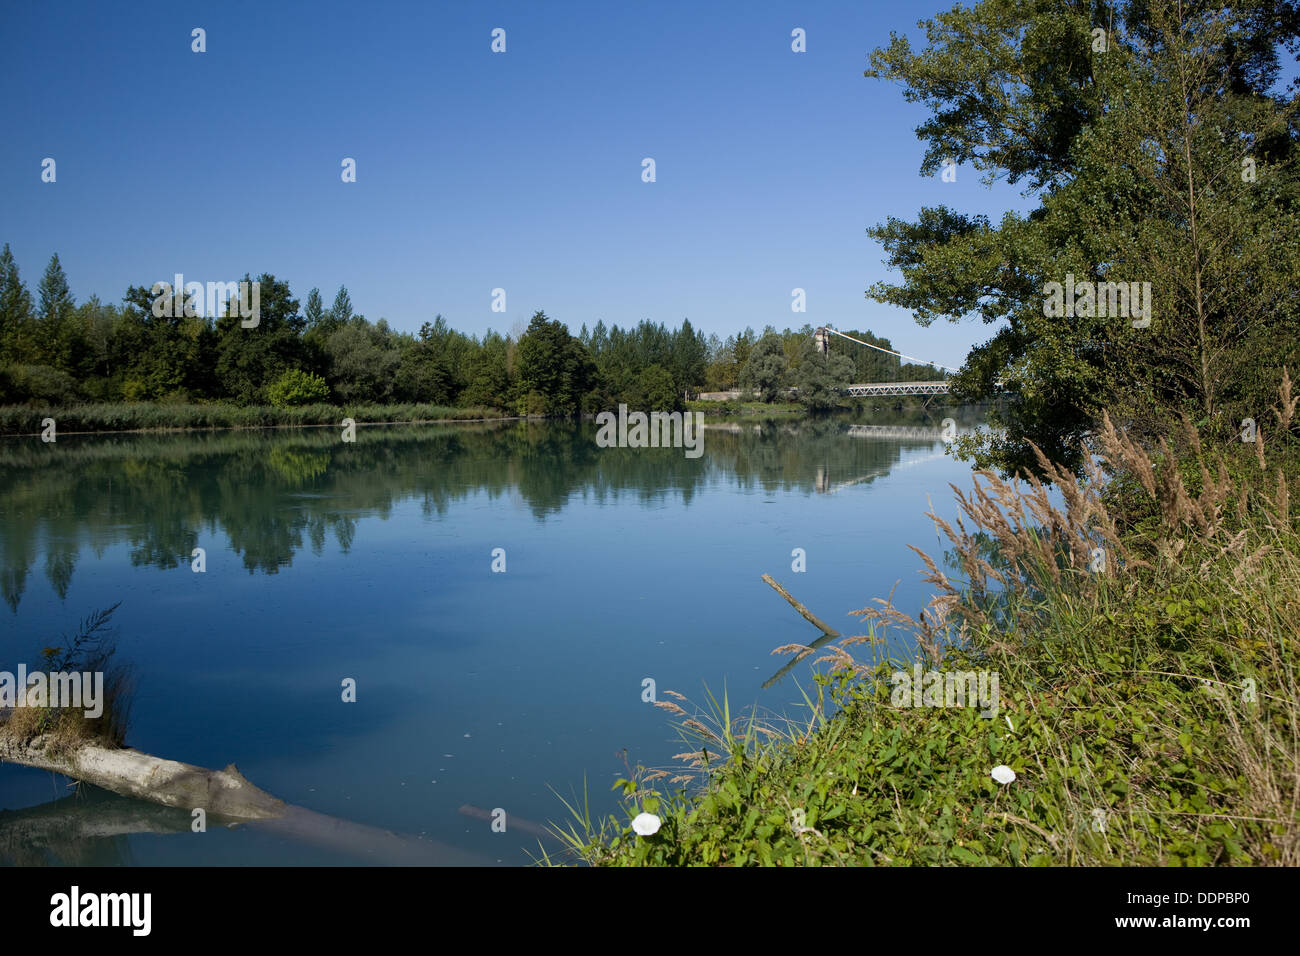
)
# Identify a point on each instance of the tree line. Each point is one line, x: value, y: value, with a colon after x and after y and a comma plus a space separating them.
x: 55, y: 352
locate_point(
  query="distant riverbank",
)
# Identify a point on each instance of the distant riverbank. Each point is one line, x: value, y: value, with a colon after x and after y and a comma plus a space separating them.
x: 28, y: 420
x: 144, y: 416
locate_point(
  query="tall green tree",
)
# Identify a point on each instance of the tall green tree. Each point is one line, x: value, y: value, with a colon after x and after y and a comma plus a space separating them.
x: 487, y: 373
x: 152, y: 357
x: 313, y: 311
x: 555, y: 371
x: 15, y: 311
x: 249, y: 359
x: 1130, y: 122
x: 766, y: 368
x: 55, y: 334
x: 690, y: 357
x: 433, y: 368
x: 820, y: 378
x: 340, y: 312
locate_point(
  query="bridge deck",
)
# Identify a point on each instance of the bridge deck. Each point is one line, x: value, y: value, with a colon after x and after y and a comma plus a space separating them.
x: 898, y: 388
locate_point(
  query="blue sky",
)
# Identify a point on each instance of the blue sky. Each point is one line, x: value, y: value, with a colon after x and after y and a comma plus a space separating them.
x: 477, y: 170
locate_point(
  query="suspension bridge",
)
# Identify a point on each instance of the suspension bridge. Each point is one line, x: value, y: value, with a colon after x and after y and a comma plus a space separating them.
x: 822, y: 338
x: 861, y: 389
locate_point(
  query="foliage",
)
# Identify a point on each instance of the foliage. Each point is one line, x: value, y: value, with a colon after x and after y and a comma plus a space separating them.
x: 555, y: 369
x: 1160, y: 156
x: 1147, y: 704
x: 765, y: 369
x: 60, y: 353
x: 296, y: 387
x: 820, y: 379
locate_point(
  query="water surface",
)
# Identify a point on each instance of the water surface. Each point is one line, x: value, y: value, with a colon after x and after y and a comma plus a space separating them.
x: 373, y: 561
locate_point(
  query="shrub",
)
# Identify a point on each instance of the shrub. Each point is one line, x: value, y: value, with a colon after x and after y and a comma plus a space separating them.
x: 42, y: 384
x: 296, y: 388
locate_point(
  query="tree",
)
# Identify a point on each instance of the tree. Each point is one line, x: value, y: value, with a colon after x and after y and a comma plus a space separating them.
x: 690, y: 358
x: 656, y: 391
x: 555, y: 371
x: 250, y: 359
x: 56, y: 338
x: 1135, y: 153
x: 340, y: 312
x: 765, y: 370
x: 821, y: 377
x: 487, y: 373
x: 56, y: 299
x: 313, y: 313
x: 364, y: 361
x: 15, y: 311
x: 153, y: 357
x: 432, y: 368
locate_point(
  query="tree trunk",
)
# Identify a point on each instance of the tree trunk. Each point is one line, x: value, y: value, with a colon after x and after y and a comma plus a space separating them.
x: 223, y: 793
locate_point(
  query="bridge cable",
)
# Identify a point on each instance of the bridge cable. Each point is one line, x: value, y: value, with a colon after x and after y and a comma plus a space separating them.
x: 878, y: 348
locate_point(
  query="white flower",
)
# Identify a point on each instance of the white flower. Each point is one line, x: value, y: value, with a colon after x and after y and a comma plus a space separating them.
x: 646, y: 824
x: 1003, y: 774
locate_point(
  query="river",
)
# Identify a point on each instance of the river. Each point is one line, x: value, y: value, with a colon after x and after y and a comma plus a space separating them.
x: 373, y: 561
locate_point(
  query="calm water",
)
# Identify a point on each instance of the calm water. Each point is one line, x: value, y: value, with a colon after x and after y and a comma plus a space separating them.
x: 373, y: 561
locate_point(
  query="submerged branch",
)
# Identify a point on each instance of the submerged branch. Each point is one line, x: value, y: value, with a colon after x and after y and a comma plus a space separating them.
x: 808, y: 615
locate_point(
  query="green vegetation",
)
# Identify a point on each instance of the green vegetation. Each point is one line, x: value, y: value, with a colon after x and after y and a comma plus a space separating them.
x: 62, y: 357
x: 1142, y: 614
x: 1149, y: 705
x: 296, y: 388
x: 1158, y: 153
x: 143, y: 416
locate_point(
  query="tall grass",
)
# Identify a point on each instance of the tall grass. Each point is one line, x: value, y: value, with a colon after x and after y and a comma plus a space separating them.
x: 1144, y: 622
x: 63, y: 729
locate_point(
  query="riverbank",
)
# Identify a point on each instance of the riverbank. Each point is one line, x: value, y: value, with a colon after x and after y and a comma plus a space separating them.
x: 27, y: 420
x: 144, y: 416
x: 1140, y: 643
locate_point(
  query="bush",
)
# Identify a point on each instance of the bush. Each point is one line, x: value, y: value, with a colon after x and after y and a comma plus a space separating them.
x: 533, y: 404
x: 41, y: 384
x: 296, y: 388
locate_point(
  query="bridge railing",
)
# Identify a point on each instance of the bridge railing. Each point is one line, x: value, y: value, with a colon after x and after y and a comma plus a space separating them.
x: 898, y: 388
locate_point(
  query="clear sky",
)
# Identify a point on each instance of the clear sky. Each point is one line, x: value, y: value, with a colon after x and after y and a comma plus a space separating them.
x: 477, y: 170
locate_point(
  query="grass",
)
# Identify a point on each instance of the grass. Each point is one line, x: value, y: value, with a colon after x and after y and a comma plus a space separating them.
x: 144, y: 416
x: 64, y: 729
x: 1145, y: 632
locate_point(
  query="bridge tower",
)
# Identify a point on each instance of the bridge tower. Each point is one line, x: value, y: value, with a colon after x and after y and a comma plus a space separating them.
x: 822, y: 339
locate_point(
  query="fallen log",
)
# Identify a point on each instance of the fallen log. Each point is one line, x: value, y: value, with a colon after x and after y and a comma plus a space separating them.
x: 229, y: 798
x: 223, y: 793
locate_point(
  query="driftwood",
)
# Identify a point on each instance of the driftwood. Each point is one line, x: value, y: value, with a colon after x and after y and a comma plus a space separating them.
x: 225, y: 795
x: 828, y: 633
x: 808, y: 615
